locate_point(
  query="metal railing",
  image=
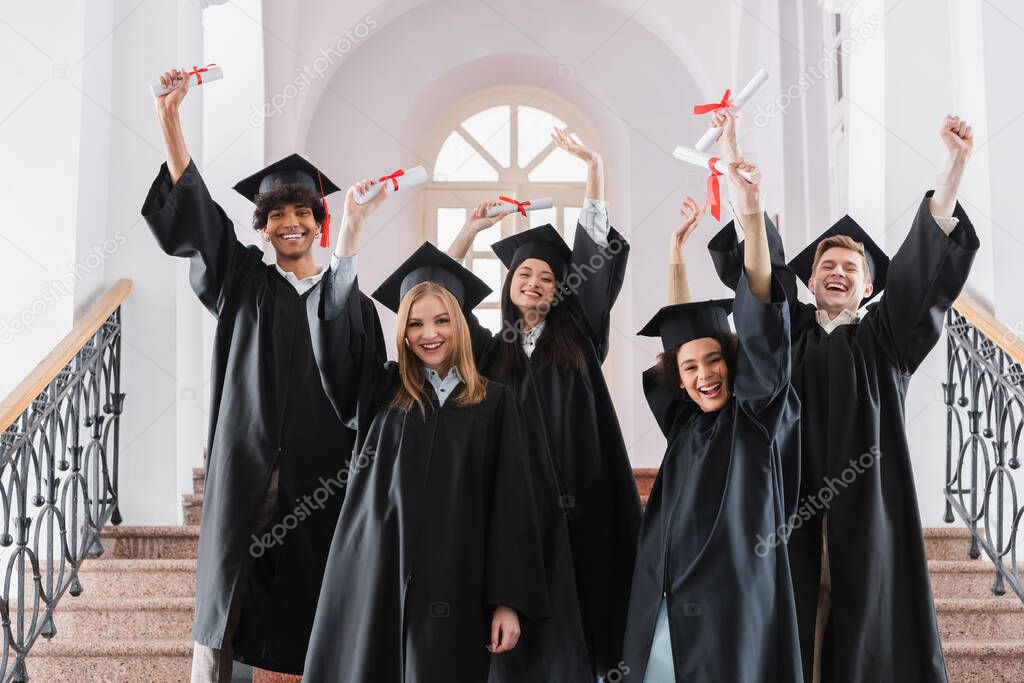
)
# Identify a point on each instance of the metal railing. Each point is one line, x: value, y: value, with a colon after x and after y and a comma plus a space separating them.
x: 58, y: 477
x: 984, y: 396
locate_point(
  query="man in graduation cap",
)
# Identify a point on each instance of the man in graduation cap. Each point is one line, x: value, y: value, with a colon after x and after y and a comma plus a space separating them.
x: 860, y: 575
x: 276, y: 446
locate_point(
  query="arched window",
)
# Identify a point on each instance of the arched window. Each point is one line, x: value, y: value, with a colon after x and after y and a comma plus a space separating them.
x: 503, y: 147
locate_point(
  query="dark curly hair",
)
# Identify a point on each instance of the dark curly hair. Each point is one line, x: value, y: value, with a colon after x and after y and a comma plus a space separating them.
x: 668, y: 364
x: 282, y: 195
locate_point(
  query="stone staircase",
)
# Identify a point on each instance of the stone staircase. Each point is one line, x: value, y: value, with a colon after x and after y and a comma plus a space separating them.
x: 133, y: 621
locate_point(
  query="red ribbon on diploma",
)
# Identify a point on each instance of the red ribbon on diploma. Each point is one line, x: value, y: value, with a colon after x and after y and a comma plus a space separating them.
x: 393, y: 177
x: 520, y: 206
x: 705, y: 108
x: 325, y: 234
x: 714, y: 192
x: 198, y: 72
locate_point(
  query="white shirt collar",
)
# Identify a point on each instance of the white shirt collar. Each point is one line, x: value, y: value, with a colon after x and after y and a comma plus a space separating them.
x: 845, y: 317
x: 528, y: 339
x: 303, y: 285
x: 443, y: 387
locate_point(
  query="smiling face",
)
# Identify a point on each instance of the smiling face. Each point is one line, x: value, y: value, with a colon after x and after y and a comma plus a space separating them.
x: 703, y: 373
x: 840, y: 280
x: 428, y: 332
x: 291, y: 230
x: 532, y: 289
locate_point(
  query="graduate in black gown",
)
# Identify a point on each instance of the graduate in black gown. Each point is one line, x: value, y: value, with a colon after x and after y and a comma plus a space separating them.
x: 437, y: 551
x: 274, y: 438
x: 708, y: 604
x: 556, y: 316
x: 860, y: 574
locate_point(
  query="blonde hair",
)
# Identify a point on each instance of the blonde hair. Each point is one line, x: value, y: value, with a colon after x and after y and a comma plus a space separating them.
x: 410, y: 367
x: 845, y: 242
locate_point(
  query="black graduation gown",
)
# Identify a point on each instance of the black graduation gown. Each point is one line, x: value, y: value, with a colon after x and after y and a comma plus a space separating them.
x: 853, y: 385
x: 586, y: 494
x: 267, y: 408
x: 720, y: 488
x: 436, y: 529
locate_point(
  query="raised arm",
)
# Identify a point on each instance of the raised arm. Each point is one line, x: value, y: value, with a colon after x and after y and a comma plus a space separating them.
x: 476, y: 222
x: 930, y: 267
x: 167, y: 107
x: 183, y: 216
x: 343, y: 323
x: 599, y: 252
x: 745, y: 198
x: 678, y: 283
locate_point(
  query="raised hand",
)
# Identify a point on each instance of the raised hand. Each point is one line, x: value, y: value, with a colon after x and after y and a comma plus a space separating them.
x: 691, y: 213
x: 361, y: 211
x: 478, y: 220
x: 172, y: 100
x: 957, y: 135
x: 571, y: 144
x: 725, y: 119
x: 744, y: 195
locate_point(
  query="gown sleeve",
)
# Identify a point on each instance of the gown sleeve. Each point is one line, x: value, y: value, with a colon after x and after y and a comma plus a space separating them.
x: 515, y: 575
x: 595, y: 277
x: 763, y: 364
x: 480, y: 338
x: 348, y: 345
x: 727, y: 256
x: 666, y: 405
x: 188, y: 223
x: 924, y: 278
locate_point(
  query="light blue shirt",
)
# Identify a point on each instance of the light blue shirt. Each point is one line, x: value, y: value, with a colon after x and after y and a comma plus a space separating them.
x: 444, y: 387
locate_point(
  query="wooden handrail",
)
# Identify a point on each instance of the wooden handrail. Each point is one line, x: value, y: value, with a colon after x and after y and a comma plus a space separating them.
x: 42, y: 374
x: 1000, y: 334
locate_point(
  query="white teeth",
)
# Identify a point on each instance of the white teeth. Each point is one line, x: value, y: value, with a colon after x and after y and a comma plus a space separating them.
x: 710, y: 388
x: 836, y: 287
x: 431, y: 347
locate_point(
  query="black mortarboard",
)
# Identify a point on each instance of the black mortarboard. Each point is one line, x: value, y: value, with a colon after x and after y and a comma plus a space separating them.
x: 430, y: 264
x: 878, y: 261
x: 542, y: 242
x: 680, y: 323
x: 292, y: 170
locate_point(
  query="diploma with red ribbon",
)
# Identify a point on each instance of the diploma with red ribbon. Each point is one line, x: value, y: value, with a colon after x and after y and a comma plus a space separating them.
x: 510, y: 205
x: 197, y: 75
x: 393, y: 182
x: 736, y: 104
x: 692, y: 156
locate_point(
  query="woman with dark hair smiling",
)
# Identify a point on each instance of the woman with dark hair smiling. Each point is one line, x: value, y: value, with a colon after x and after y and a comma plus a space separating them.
x: 707, y: 605
x: 556, y: 316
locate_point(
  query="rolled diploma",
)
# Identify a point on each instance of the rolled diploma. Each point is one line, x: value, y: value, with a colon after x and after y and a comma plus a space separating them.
x: 692, y: 156
x: 506, y: 208
x: 417, y: 175
x: 740, y: 101
x: 212, y: 73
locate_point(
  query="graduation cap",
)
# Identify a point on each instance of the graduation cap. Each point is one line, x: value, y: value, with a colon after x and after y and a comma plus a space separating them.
x: 430, y: 264
x: 878, y: 261
x: 543, y: 243
x: 680, y: 323
x: 292, y: 170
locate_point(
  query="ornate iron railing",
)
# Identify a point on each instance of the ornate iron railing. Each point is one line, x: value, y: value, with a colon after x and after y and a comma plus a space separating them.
x: 58, y: 477
x: 984, y: 396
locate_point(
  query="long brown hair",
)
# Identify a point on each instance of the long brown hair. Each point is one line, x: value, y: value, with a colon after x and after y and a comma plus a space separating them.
x: 410, y: 367
x: 557, y: 344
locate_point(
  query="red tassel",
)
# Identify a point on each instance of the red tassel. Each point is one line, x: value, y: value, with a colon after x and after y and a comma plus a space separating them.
x: 325, y: 233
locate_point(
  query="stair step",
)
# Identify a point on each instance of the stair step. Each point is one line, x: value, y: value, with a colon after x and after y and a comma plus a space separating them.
x: 140, y: 578
x: 1000, y: 661
x: 192, y: 507
x: 63, y: 660
x: 947, y: 543
x: 198, y: 479
x: 261, y: 676
x: 980, y: 619
x: 124, y: 618
x: 963, y: 578
x: 150, y: 542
